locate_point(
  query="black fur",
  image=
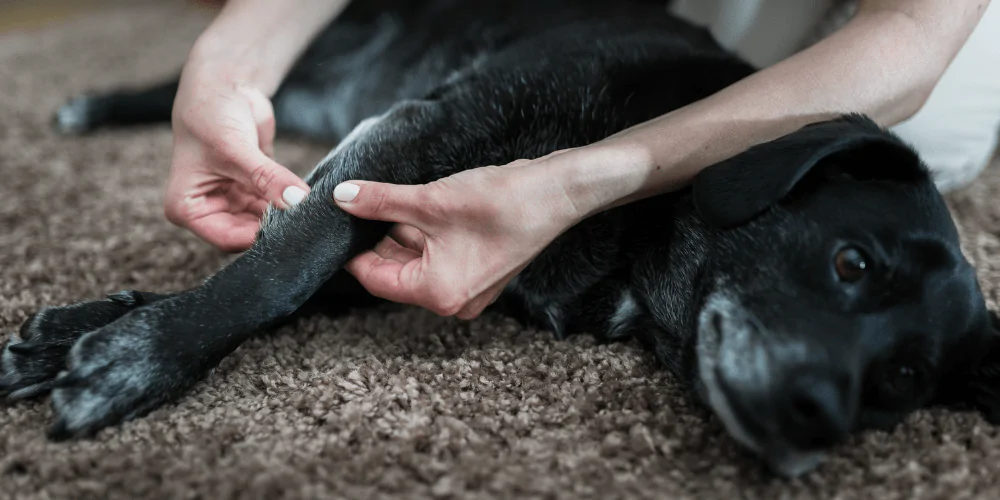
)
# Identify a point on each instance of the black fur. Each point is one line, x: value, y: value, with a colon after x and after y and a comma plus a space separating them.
x: 731, y: 283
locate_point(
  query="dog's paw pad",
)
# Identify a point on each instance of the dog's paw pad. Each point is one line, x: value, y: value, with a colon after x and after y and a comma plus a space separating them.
x: 78, y: 116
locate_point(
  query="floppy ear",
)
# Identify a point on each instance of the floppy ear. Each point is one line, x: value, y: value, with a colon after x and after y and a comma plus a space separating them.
x: 734, y: 191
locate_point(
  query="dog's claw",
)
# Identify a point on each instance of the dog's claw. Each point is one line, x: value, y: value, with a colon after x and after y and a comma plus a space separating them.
x: 26, y: 392
x: 127, y: 298
x: 25, y: 348
x: 25, y: 331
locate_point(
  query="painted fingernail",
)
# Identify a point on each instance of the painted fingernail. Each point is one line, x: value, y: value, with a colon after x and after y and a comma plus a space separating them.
x: 346, y: 191
x: 293, y: 195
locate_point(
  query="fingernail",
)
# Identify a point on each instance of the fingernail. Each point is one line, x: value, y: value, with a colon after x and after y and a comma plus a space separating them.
x: 293, y: 195
x: 346, y: 191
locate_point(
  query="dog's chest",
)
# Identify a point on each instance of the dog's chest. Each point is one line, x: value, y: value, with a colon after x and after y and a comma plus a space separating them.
x: 554, y: 291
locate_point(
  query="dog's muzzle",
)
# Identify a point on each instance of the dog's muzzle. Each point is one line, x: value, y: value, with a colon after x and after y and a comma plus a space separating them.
x: 782, y: 397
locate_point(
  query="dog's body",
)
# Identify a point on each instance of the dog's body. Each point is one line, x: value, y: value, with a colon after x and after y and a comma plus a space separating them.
x: 784, y: 316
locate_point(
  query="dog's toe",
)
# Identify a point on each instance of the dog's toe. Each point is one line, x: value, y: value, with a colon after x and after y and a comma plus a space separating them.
x: 115, y: 374
x: 86, y: 400
x: 15, y: 382
x: 33, y: 357
x: 27, y: 367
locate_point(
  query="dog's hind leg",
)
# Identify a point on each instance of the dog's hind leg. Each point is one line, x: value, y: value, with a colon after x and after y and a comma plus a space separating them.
x: 295, y: 105
x: 116, y: 108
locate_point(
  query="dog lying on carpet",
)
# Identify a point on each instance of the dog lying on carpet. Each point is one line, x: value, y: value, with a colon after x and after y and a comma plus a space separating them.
x: 807, y: 288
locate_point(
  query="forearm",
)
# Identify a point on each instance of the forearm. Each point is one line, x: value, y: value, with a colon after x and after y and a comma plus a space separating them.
x: 883, y: 63
x: 256, y: 41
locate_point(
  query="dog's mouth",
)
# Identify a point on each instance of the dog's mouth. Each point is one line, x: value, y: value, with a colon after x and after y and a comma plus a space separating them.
x: 737, y: 380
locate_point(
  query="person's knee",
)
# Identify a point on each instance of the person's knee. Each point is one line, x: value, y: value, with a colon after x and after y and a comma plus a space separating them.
x: 956, y: 130
x: 954, y: 149
x: 962, y: 168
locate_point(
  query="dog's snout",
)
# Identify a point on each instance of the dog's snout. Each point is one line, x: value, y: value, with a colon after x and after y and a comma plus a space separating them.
x: 784, y: 392
x: 817, y: 408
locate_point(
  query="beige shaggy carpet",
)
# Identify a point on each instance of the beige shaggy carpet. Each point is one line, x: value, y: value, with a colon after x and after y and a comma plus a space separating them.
x: 393, y: 403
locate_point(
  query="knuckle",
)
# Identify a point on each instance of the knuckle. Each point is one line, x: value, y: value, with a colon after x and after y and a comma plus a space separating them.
x: 188, y: 116
x: 268, y: 121
x: 378, y: 199
x: 262, y: 177
x: 448, y: 304
x: 385, y: 250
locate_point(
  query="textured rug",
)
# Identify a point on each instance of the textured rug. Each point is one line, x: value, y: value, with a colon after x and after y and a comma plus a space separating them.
x: 391, y: 403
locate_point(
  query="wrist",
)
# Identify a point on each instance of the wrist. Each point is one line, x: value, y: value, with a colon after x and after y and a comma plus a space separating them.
x: 216, y: 60
x: 599, y: 176
x: 256, y: 42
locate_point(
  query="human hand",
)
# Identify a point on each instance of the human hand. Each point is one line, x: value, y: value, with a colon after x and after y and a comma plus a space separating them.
x: 222, y: 174
x: 458, y: 241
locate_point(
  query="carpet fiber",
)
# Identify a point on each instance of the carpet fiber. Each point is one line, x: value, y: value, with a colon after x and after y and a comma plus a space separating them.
x: 391, y: 403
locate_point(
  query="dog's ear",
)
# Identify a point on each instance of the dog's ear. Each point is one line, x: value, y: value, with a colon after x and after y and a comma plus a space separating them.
x: 979, y: 386
x: 734, y: 191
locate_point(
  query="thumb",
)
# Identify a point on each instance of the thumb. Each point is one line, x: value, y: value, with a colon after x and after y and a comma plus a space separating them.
x: 378, y: 201
x: 275, y: 183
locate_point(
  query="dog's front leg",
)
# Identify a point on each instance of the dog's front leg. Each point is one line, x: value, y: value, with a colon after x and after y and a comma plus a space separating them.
x: 153, y: 354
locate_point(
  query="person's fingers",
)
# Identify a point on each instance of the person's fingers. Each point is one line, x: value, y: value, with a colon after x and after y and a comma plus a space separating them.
x: 476, y: 306
x: 256, y: 168
x: 379, y: 201
x: 385, y: 278
x: 227, y: 232
x: 263, y: 115
x: 408, y: 236
x: 181, y: 210
x: 272, y: 182
x: 257, y: 207
x: 525, y: 162
x: 390, y: 249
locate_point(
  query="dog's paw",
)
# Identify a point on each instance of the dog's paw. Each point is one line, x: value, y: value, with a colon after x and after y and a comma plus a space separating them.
x: 31, y: 359
x: 78, y: 116
x: 118, y: 373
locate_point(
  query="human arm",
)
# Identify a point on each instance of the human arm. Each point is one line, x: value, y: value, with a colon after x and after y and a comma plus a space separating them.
x: 884, y: 63
x: 222, y: 172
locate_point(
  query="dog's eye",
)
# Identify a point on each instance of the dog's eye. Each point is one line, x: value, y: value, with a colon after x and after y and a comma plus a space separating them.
x: 850, y: 264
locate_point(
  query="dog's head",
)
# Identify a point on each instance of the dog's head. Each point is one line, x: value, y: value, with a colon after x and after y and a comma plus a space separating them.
x: 836, y: 296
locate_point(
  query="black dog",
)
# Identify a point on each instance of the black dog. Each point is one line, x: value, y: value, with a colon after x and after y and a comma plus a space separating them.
x: 809, y: 287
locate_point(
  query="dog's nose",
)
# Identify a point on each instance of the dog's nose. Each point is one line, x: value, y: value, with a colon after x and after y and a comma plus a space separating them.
x: 817, y: 409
